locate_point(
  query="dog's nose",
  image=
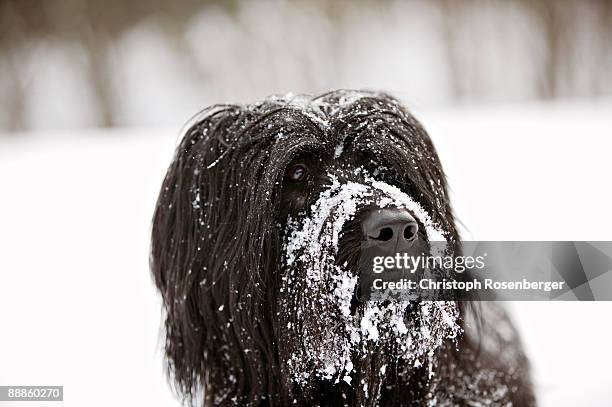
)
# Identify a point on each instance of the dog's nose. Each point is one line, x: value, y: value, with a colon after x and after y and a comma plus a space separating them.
x: 390, y: 229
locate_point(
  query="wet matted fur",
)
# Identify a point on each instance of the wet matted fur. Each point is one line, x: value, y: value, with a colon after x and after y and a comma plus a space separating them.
x: 255, y: 247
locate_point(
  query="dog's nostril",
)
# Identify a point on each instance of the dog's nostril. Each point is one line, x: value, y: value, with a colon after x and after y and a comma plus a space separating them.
x: 410, y: 231
x: 384, y: 234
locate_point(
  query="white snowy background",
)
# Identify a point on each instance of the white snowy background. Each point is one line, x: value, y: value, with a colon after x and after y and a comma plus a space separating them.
x: 516, y: 95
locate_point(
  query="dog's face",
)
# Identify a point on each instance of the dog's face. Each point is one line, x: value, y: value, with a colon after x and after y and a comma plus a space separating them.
x: 336, y: 202
x: 257, y: 238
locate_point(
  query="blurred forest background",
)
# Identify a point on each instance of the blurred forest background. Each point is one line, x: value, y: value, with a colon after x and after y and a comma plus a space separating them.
x: 72, y: 64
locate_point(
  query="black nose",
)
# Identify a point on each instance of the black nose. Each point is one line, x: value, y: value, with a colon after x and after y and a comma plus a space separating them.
x: 391, y: 229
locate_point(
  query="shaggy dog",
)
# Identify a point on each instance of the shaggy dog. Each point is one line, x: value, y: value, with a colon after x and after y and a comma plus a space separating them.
x: 255, y: 249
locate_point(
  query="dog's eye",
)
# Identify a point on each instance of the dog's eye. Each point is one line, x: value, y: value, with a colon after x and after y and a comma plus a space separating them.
x: 297, y: 173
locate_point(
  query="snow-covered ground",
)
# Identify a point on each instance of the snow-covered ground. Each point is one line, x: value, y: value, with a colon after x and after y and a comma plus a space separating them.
x: 78, y: 307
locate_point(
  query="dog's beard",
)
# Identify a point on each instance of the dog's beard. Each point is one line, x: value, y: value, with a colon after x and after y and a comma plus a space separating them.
x: 322, y: 337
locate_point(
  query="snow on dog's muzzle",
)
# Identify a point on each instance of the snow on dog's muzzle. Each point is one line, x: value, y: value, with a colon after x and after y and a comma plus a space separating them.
x: 317, y: 292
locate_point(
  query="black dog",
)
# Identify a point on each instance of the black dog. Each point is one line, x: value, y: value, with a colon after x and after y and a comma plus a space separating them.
x: 255, y: 250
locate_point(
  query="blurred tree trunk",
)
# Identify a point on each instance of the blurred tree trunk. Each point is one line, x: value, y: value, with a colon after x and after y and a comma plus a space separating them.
x: 92, y: 31
x: 552, y: 25
x: 100, y: 77
x: 12, y: 38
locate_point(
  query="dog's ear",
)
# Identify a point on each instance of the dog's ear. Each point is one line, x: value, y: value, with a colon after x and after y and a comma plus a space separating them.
x: 214, y: 243
x: 176, y: 252
x: 178, y: 219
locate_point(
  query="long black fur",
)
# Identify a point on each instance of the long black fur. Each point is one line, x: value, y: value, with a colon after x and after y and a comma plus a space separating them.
x: 216, y: 253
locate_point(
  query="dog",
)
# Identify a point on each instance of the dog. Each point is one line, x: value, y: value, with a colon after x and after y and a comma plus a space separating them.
x: 255, y: 250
